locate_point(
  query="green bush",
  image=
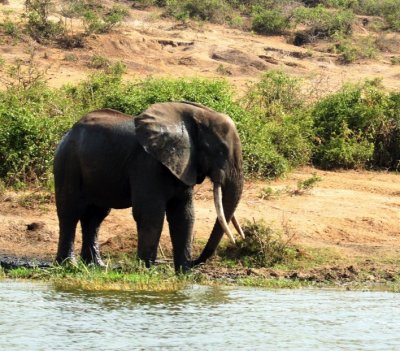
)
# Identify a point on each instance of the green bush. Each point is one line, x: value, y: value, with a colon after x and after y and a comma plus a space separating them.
x: 346, y: 4
x: 217, y: 11
x: 96, y: 21
x: 277, y: 103
x: 27, y: 143
x: 391, y: 14
x: 351, y: 50
x: 263, y: 247
x: 265, y: 21
x: 354, y: 127
x: 38, y: 26
x: 275, y: 94
x: 387, y: 140
x: 322, y: 22
x: 345, y: 151
x: 10, y: 28
x: 99, y: 62
x: 32, y: 122
x: 388, y: 9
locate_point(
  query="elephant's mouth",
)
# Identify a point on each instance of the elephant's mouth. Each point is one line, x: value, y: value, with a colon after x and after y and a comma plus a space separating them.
x: 221, y: 215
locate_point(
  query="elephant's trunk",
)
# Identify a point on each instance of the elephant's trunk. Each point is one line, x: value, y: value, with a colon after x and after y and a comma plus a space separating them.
x: 231, y: 192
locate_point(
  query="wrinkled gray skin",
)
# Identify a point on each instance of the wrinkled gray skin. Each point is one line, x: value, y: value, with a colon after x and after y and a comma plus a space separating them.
x: 150, y: 163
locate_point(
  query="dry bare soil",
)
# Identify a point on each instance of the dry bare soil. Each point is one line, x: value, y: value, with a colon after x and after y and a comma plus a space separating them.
x: 355, y: 214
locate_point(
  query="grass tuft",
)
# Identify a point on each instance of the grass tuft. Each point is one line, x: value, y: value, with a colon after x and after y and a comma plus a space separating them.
x: 126, y: 275
x: 263, y: 247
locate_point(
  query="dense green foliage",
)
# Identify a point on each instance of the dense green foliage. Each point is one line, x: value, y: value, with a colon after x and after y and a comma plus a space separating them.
x: 323, y: 22
x: 388, y: 9
x: 217, y: 11
x: 323, y: 17
x: 356, y: 127
x: 265, y: 21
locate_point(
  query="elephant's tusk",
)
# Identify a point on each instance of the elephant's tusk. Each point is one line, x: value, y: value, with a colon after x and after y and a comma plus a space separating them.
x: 220, y: 211
x: 238, y: 227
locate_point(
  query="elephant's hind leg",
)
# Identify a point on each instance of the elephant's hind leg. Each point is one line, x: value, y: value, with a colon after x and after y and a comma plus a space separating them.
x: 90, y: 223
x: 67, y: 223
x: 149, y: 219
x: 180, y: 216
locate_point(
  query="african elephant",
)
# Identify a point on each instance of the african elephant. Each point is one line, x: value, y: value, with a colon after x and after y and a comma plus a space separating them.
x: 151, y: 163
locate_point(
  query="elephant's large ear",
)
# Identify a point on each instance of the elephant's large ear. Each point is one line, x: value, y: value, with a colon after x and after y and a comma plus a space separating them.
x: 165, y: 133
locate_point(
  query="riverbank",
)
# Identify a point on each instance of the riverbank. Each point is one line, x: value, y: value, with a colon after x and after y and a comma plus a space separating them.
x: 130, y: 275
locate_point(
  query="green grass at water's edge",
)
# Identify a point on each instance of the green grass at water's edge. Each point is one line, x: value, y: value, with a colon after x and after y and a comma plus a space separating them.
x: 163, y: 278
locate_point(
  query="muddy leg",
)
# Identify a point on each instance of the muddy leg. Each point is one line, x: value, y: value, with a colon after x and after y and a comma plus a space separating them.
x: 180, y: 216
x: 67, y: 223
x: 90, y: 223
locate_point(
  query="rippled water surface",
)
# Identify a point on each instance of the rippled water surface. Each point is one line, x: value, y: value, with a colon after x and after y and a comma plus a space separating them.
x: 37, y: 317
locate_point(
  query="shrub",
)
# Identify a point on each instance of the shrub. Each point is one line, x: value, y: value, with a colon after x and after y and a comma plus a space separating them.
x: 346, y: 4
x: 347, y: 124
x: 395, y: 60
x: 10, y: 28
x: 96, y: 22
x: 265, y: 21
x: 39, y: 27
x: 345, y: 151
x: 388, y: 9
x: 277, y: 103
x: 99, y: 62
x: 148, y: 3
x: 387, y: 140
x: 217, y: 11
x: 263, y: 247
x: 275, y: 94
x: 351, y: 50
x: 27, y: 143
x: 391, y: 14
x: 96, y: 17
x: 323, y: 22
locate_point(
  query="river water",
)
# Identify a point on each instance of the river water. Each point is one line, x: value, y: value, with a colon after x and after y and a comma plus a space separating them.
x: 37, y: 317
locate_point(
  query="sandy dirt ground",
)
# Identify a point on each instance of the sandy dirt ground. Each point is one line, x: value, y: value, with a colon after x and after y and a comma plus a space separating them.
x: 356, y: 214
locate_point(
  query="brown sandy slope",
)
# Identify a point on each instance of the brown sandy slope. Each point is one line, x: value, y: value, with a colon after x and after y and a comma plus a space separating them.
x: 151, y: 45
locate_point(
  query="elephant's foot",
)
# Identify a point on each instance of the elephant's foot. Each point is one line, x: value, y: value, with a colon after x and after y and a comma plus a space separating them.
x: 94, y: 262
x: 91, y: 256
x: 183, y: 267
x: 66, y: 260
x: 196, y: 263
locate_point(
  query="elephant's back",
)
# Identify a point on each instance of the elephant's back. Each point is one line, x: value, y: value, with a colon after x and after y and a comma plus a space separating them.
x: 104, y: 116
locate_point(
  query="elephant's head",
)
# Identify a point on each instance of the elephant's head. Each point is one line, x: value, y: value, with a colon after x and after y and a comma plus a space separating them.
x: 195, y: 142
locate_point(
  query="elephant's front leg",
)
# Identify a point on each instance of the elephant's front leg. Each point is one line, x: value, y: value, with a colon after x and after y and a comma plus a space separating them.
x: 180, y: 216
x: 149, y: 219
